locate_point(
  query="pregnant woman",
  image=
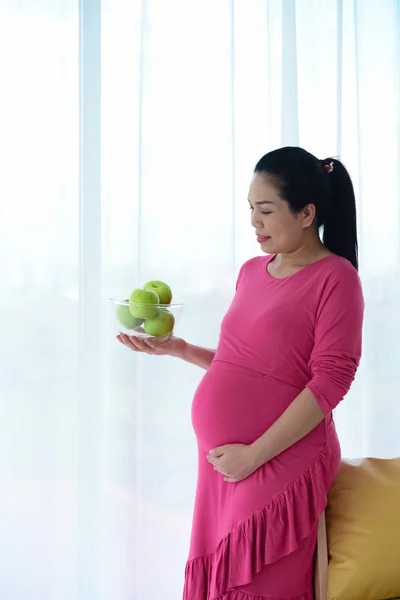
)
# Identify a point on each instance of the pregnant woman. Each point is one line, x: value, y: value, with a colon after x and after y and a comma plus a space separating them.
x: 288, y: 351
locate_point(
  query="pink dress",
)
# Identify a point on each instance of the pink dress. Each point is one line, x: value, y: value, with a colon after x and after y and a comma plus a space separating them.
x: 255, y: 539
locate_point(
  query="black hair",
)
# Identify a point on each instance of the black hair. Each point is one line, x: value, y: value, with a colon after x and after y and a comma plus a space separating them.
x: 301, y: 179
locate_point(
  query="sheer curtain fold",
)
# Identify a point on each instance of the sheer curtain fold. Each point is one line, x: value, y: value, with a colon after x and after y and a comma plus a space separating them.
x: 129, y: 135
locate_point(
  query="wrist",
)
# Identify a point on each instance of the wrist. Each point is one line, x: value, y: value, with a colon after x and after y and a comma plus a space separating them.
x: 259, y: 453
x: 181, y: 349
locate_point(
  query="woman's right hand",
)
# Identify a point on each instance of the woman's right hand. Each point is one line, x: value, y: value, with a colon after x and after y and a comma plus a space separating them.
x: 172, y: 347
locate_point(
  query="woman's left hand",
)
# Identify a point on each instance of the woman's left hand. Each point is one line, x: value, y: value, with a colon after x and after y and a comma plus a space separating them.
x: 235, y: 461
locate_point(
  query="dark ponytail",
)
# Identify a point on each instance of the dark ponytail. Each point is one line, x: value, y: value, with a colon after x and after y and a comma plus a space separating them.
x: 340, y: 226
x: 303, y: 179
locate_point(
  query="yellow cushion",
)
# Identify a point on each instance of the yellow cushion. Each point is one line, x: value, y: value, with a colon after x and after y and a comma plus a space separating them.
x: 363, y: 527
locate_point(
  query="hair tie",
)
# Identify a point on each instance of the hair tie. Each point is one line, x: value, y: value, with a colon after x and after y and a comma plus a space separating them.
x: 329, y: 168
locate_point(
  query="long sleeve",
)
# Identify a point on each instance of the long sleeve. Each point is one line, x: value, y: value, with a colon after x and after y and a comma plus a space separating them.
x: 337, y: 342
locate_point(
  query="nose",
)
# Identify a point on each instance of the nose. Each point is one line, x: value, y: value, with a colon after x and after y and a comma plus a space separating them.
x: 255, y: 220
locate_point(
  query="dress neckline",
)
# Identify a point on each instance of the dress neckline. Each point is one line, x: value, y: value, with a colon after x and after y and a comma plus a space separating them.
x: 305, y: 268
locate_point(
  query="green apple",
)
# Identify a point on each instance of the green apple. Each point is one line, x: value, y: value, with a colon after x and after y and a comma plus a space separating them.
x: 162, y: 290
x: 143, y: 303
x: 125, y: 317
x: 160, y: 325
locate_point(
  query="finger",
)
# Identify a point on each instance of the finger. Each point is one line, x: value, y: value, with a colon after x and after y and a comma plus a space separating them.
x: 147, y: 347
x: 220, y: 471
x: 132, y: 342
x: 127, y: 342
x: 124, y: 338
x: 141, y: 345
x: 152, y: 343
x: 217, y: 452
x: 132, y: 339
x: 215, y: 463
x: 214, y: 460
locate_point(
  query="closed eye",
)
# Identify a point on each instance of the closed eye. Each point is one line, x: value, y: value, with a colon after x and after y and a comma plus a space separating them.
x: 263, y: 212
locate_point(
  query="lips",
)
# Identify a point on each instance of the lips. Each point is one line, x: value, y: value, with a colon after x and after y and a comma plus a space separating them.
x: 263, y: 238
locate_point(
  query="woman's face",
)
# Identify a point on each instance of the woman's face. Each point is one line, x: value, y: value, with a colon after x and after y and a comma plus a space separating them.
x: 278, y: 229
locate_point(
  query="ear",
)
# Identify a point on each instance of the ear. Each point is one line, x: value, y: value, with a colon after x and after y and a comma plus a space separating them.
x: 309, y: 215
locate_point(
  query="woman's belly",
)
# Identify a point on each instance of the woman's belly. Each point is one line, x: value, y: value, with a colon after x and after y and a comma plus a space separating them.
x: 233, y: 404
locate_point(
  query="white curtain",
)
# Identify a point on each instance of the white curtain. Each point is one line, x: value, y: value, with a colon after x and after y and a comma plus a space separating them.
x: 127, y: 144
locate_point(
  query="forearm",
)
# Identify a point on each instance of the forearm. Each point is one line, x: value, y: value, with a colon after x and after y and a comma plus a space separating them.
x: 301, y: 417
x: 196, y: 355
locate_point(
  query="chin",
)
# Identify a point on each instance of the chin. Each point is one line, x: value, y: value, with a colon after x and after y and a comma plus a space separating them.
x: 268, y: 247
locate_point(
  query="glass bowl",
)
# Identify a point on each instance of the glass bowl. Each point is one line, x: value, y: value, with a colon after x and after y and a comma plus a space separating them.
x: 152, y: 320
